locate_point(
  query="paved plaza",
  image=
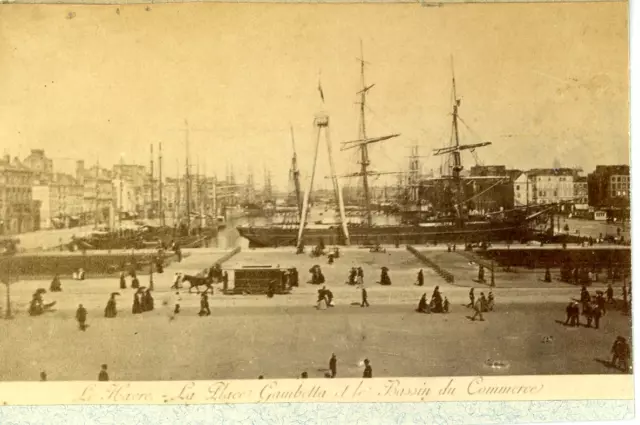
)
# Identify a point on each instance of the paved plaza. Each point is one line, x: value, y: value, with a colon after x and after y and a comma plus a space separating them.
x: 286, y: 335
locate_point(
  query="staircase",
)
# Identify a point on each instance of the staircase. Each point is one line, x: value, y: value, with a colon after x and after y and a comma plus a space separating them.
x: 447, y: 276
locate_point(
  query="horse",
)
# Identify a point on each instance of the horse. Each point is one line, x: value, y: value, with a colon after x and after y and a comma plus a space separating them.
x: 197, y: 281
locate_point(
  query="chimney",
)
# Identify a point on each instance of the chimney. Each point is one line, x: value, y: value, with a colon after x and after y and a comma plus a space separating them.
x: 80, y: 171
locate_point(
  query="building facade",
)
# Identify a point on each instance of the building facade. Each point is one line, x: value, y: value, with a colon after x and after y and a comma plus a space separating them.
x: 61, y: 201
x: 609, y: 186
x: 19, y: 212
x: 99, y: 195
x: 545, y: 186
x: 581, y: 191
x: 40, y: 165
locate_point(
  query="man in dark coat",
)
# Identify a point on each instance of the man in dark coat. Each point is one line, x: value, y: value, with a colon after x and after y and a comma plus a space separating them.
x: 81, y: 317
x: 596, y: 312
x: 610, y: 294
x: 333, y: 365
x: 103, y: 376
x: 420, y: 278
x: 368, y: 371
x: 204, y: 305
x: 472, y: 298
x: 365, y: 302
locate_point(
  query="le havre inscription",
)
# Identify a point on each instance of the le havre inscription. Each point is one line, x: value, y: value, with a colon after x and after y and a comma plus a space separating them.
x: 302, y: 390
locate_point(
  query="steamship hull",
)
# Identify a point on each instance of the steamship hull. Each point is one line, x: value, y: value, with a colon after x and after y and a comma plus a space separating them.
x: 272, y: 236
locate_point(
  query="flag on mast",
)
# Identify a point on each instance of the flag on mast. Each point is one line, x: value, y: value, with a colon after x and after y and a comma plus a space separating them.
x: 320, y: 90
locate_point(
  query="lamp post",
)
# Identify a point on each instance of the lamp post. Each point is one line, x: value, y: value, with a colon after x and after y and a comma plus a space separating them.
x: 8, y: 279
x: 151, y: 275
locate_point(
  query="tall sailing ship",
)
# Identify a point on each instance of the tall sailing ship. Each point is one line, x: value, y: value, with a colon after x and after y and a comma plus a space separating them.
x: 456, y: 225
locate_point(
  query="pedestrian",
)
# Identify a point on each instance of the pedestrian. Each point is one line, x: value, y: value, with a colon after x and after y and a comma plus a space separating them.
x: 56, y: 285
x: 587, y: 311
x: 423, y: 307
x: 43, y: 376
x: 147, y: 301
x: 620, y: 351
x: 159, y: 265
x: 103, y: 376
x: 176, y: 281
x: 610, y: 294
x: 304, y: 375
x: 81, y: 317
x: 360, y: 276
x: 123, y: 281
x: 547, y: 275
x: 481, y: 274
x: 569, y: 311
x: 575, y: 315
x: 420, y: 278
x: 176, y: 308
x: 478, y: 307
x: 601, y: 302
x: 333, y: 365
x: 491, y: 301
x: 368, y: 371
x: 445, y: 305
x: 204, y: 305
x: 597, y: 314
x: 365, y: 302
x: 137, y: 305
x: 472, y: 298
x: 110, y: 310
x: 135, y: 283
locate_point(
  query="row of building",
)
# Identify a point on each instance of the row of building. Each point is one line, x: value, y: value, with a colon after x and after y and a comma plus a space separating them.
x: 34, y: 196
x: 494, y: 187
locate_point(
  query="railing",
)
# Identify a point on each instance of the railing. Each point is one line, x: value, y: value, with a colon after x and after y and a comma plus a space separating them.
x: 447, y: 276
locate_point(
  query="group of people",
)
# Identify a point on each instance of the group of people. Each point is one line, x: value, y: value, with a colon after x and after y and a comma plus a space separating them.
x: 481, y: 305
x: 37, y: 305
x: 135, y: 283
x: 333, y: 369
x: 325, y: 298
x: 436, y: 305
x: 142, y: 301
x: 79, y: 274
x: 593, y: 308
x: 356, y: 276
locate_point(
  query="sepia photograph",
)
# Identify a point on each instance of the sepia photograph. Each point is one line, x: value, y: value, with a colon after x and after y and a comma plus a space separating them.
x: 270, y: 191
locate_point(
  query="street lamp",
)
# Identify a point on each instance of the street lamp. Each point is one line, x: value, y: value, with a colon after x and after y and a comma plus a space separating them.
x: 8, y: 280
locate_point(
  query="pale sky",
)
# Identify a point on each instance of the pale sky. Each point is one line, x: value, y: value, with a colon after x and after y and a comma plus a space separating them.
x: 541, y: 82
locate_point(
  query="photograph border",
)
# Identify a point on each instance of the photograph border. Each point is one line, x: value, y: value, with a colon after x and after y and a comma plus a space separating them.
x: 438, y: 412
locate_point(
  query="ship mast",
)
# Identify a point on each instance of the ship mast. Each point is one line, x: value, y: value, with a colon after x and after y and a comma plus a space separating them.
x: 455, y: 152
x: 295, y: 174
x: 363, y: 142
x: 364, y: 151
x: 187, y: 177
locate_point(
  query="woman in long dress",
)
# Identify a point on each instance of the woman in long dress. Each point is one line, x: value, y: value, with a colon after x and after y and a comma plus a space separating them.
x: 110, y: 310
